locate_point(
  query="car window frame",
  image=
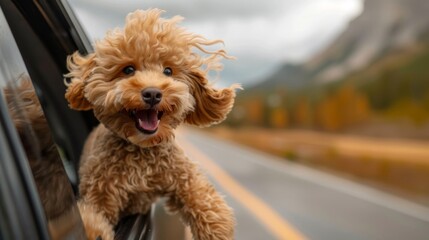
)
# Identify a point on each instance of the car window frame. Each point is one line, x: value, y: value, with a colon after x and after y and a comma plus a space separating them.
x: 21, y: 210
x: 45, y: 30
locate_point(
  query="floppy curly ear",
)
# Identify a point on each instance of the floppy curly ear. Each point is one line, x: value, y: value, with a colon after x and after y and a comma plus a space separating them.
x: 80, y: 69
x: 211, y: 105
x: 75, y: 95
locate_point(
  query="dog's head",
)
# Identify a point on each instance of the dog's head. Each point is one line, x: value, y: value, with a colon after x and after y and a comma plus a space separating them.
x: 144, y: 80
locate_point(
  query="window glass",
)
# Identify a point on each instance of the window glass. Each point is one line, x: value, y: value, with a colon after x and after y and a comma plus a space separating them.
x: 52, y: 183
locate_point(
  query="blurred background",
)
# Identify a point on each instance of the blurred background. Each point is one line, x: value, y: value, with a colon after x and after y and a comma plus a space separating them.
x: 341, y: 86
x: 314, y: 69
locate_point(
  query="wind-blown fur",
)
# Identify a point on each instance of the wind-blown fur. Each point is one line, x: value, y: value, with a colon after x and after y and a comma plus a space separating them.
x: 123, y: 168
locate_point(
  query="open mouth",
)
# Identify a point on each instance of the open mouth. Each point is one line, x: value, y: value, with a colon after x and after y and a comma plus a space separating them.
x: 147, y: 120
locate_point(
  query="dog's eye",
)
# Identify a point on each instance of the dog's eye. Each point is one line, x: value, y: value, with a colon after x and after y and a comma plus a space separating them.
x: 128, y: 70
x: 168, y: 71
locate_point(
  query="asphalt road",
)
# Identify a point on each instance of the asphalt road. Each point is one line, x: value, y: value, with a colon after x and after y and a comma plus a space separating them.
x: 276, y: 199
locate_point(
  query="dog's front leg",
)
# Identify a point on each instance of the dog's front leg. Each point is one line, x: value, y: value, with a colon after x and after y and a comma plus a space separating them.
x: 206, y: 212
x: 95, y: 223
x: 102, y: 199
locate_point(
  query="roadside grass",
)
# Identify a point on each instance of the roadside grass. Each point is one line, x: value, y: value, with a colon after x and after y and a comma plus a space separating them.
x: 395, y: 165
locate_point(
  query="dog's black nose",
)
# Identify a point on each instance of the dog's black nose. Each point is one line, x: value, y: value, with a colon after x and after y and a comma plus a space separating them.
x: 152, y: 96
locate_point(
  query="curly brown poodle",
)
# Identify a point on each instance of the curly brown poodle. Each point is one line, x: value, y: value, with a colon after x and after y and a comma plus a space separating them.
x: 142, y: 82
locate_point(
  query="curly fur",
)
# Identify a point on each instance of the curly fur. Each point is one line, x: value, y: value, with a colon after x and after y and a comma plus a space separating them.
x: 124, y: 169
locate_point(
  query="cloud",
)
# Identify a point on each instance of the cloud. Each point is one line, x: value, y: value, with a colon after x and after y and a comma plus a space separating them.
x: 285, y: 37
x: 195, y: 9
x: 261, y: 34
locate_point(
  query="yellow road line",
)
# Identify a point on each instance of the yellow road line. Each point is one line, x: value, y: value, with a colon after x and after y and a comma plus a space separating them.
x: 272, y: 221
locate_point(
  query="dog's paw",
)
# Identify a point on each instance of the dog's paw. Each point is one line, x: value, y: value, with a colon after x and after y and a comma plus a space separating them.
x: 96, y: 225
x: 212, y: 225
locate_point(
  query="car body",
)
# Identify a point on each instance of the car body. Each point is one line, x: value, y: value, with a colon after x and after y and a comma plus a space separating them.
x: 40, y: 153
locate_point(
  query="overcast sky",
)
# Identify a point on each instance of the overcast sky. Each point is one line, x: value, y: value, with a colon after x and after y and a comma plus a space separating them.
x: 261, y: 34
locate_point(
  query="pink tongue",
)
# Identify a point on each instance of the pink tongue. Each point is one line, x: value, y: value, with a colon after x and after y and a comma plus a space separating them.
x: 148, y: 119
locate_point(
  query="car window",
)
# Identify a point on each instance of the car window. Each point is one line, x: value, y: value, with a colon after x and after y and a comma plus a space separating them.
x: 53, y: 185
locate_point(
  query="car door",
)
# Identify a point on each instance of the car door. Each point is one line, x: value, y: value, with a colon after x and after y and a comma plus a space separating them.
x: 37, y: 199
x: 40, y: 137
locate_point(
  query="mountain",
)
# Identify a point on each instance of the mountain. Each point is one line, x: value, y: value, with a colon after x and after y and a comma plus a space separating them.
x: 383, y: 26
